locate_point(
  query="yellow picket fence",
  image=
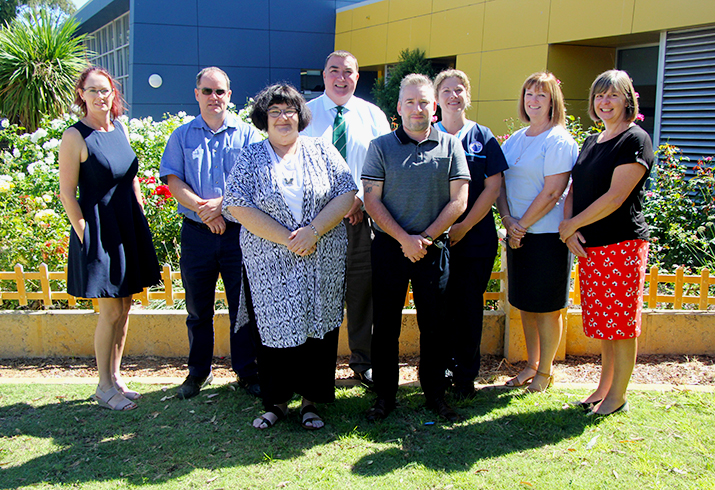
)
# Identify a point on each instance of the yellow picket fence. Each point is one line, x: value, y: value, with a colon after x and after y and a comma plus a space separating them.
x: 36, y: 286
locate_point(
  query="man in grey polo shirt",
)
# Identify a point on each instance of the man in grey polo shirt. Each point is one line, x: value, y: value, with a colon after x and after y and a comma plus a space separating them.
x: 416, y: 185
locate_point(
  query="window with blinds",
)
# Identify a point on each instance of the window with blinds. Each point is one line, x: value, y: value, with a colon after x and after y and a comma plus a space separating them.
x: 687, y: 113
x: 109, y: 48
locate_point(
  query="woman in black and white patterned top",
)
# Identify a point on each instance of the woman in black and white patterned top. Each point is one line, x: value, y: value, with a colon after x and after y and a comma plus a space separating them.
x: 290, y: 193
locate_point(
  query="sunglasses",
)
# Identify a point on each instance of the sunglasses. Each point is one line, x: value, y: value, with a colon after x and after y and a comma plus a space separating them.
x: 208, y: 91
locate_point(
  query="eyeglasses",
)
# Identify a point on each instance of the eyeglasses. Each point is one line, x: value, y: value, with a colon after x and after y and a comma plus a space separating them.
x: 208, y: 91
x: 98, y: 91
x: 276, y: 113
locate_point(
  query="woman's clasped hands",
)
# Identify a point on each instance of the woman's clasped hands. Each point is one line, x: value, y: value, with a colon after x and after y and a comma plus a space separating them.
x: 303, y: 241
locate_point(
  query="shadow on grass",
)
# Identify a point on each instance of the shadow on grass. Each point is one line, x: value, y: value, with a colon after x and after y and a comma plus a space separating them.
x: 165, y: 440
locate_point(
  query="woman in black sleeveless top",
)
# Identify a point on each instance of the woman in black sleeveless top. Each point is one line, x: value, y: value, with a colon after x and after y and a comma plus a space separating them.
x: 111, y: 254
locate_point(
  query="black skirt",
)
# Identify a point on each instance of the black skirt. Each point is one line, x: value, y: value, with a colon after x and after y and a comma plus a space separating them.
x: 539, y: 273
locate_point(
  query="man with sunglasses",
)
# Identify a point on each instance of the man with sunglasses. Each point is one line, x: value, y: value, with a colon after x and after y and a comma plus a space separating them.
x: 197, y: 161
x: 350, y: 123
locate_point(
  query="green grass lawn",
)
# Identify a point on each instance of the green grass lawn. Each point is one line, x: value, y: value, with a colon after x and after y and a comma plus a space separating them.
x: 52, y: 436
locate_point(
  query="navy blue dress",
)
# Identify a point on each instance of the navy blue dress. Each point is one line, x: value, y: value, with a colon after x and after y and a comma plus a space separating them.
x: 117, y: 257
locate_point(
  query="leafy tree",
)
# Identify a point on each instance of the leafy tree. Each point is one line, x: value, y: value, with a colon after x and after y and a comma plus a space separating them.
x: 40, y: 59
x: 387, y: 94
x: 9, y: 9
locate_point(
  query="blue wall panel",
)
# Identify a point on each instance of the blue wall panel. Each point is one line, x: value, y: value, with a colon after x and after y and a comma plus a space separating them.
x: 303, y: 15
x: 291, y: 76
x: 162, y: 44
x: 247, y: 14
x: 300, y: 49
x: 256, y: 42
x: 234, y: 47
x: 178, y: 83
x: 170, y: 12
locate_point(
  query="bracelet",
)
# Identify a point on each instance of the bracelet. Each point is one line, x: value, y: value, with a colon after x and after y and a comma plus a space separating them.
x: 425, y: 235
x: 315, y: 231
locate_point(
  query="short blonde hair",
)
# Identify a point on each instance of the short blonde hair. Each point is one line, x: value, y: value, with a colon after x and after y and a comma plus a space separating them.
x: 415, y: 79
x: 619, y: 81
x: 546, y: 82
x: 452, y: 73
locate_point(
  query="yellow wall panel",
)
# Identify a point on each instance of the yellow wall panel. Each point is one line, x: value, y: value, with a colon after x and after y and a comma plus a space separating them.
x: 343, y: 21
x: 441, y: 5
x: 655, y: 15
x: 457, y: 31
x: 503, y: 72
x: 515, y: 23
x: 405, y: 9
x: 578, y: 66
x: 588, y: 19
x: 493, y: 113
x: 368, y: 45
x: 471, y: 64
x: 344, y: 41
x: 410, y: 33
x: 370, y: 15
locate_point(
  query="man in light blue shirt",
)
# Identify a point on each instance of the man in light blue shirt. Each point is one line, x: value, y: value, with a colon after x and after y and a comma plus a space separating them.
x: 363, y: 122
x: 197, y: 160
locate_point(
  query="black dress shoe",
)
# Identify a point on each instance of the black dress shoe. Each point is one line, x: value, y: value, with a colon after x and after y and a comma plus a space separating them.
x: 464, y: 392
x: 365, y: 378
x: 251, y: 384
x: 380, y: 410
x: 440, y: 407
x: 192, y: 386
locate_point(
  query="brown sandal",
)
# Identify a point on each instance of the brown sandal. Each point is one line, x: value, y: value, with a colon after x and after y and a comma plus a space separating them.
x: 516, y: 383
x: 549, y: 382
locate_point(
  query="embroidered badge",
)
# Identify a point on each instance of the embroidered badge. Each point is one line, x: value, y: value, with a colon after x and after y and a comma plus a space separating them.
x: 475, y: 147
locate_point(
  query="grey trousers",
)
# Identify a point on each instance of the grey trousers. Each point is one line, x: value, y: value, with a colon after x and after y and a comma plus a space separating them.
x: 359, y: 294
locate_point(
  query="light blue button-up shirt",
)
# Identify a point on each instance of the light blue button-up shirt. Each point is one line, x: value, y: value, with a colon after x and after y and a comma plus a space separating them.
x: 202, y: 158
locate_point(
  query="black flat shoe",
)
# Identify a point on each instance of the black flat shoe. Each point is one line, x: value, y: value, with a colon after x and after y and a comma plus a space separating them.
x: 440, y: 407
x: 380, y: 410
x: 623, y: 408
x: 585, y: 406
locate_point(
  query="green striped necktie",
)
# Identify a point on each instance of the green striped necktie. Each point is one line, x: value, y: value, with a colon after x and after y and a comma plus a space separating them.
x: 340, y: 139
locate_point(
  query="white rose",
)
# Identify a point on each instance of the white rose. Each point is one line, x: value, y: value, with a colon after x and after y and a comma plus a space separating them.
x: 136, y: 137
x: 46, y: 197
x: 16, y: 153
x: 51, y: 144
x: 38, y: 135
x: 4, y: 123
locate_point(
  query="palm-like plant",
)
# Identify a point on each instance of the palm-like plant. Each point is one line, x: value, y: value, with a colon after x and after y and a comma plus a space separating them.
x: 39, y: 63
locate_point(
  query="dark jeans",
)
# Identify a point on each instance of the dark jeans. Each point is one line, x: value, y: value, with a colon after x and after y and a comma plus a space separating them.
x: 358, y: 295
x: 391, y: 273
x: 468, y: 279
x: 203, y: 256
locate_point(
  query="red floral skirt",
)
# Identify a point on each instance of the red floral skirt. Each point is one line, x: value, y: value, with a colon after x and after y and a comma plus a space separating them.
x: 612, y: 278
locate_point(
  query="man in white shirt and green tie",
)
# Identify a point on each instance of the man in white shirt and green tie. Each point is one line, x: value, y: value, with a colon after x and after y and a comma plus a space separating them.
x: 350, y: 123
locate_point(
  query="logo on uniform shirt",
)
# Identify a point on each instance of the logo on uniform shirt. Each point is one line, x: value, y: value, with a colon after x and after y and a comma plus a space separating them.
x: 475, y: 147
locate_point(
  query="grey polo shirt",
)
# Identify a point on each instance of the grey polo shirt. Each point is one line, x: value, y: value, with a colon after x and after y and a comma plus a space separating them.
x: 415, y: 176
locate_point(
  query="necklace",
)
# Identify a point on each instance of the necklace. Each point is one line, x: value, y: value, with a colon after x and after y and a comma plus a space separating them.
x: 523, y: 147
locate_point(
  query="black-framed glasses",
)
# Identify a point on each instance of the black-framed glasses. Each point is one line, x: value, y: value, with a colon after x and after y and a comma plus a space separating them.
x: 276, y: 113
x: 208, y: 91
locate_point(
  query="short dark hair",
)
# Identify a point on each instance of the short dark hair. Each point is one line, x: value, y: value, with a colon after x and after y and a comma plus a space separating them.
x: 341, y: 53
x: 279, y: 93
x: 210, y: 69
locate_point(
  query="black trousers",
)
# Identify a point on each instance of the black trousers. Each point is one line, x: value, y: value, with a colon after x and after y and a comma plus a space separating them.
x: 391, y: 273
x: 468, y: 279
x: 308, y: 370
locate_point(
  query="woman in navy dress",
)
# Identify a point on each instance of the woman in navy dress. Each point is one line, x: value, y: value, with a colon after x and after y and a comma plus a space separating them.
x: 111, y: 254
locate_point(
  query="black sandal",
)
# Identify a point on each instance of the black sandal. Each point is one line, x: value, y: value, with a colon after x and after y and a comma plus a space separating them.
x: 310, y: 409
x: 275, y: 410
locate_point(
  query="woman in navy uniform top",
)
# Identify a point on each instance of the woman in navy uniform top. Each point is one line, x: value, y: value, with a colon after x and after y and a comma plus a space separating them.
x: 473, y: 237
